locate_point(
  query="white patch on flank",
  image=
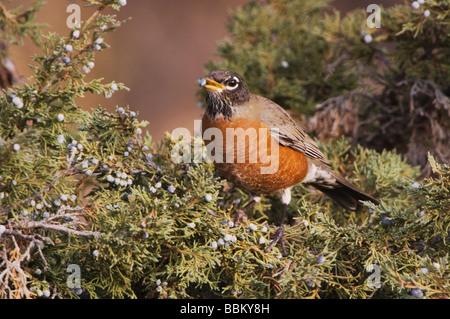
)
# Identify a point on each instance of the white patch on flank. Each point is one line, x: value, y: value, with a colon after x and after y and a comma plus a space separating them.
x: 315, y: 173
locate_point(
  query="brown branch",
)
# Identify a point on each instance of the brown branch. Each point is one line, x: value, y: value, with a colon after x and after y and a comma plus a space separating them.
x: 52, y: 225
x: 61, y: 229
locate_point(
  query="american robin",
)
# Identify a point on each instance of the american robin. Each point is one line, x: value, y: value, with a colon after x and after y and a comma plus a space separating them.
x: 232, y: 108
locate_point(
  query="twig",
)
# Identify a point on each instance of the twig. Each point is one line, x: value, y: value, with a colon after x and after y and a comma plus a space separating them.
x: 60, y: 228
x: 14, y: 272
x: 36, y: 238
x: 330, y: 68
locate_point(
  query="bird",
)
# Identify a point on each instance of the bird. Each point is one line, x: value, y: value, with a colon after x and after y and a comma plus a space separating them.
x: 266, y: 128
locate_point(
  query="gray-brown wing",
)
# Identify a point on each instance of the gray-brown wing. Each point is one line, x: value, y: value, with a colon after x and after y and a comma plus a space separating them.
x: 288, y: 132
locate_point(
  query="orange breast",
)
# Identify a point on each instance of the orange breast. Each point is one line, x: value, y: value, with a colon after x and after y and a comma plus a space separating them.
x: 247, y: 155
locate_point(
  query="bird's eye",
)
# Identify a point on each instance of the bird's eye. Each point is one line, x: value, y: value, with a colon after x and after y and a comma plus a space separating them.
x: 232, y: 84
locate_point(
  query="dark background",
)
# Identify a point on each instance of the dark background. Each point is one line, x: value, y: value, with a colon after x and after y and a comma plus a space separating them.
x: 159, y: 54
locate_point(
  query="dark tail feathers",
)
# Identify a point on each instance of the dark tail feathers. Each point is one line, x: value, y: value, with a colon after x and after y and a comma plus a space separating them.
x: 344, y: 193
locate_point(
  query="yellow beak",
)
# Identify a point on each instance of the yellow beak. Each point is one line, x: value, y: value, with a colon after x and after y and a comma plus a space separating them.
x: 210, y: 84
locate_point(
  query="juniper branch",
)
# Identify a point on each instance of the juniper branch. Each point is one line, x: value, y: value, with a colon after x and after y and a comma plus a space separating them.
x: 60, y: 228
x: 59, y: 175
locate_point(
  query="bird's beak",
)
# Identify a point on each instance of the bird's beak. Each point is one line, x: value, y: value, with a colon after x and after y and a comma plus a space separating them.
x: 210, y: 84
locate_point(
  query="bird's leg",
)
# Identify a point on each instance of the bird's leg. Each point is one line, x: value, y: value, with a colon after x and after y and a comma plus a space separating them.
x: 279, y: 235
x: 241, y: 213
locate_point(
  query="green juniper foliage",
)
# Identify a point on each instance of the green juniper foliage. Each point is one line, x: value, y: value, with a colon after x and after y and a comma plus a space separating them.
x: 85, y: 195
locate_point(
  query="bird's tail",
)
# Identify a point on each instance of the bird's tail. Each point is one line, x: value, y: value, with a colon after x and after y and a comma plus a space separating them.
x: 343, y: 192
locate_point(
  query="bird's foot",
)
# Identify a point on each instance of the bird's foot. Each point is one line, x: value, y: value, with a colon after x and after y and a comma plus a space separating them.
x: 279, y: 237
x: 240, y: 215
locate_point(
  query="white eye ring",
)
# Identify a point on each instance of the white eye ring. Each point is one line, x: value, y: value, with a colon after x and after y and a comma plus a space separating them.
x: 233, y: 87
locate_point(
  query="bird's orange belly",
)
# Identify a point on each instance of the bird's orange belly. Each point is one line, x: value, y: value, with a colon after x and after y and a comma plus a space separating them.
x: 247, y: 155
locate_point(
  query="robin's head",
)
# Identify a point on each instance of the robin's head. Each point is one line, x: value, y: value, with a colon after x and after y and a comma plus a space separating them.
x: 226, y: 91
